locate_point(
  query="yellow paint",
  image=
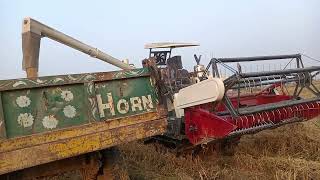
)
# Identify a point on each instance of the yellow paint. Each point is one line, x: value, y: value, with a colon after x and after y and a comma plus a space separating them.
x: 29, y: 151
x: 28, y: 141
x: 75, y: 146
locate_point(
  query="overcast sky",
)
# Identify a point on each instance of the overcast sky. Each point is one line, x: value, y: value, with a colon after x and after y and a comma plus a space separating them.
x: 121, y: 28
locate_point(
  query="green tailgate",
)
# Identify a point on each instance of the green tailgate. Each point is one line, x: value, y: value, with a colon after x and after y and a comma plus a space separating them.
x: 50, y: 103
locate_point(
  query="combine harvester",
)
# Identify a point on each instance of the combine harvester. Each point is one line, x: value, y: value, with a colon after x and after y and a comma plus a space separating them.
x: 63, y: 123
x: 206, y: 108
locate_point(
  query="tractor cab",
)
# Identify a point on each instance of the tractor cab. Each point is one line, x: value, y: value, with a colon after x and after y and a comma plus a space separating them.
x: 171, y: 68
x: 164, y: 54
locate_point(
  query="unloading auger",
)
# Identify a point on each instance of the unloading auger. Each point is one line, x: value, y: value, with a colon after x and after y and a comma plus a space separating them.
x: 33, y: 31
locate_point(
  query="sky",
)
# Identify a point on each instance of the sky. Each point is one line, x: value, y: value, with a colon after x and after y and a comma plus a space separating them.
x: 121, y: 28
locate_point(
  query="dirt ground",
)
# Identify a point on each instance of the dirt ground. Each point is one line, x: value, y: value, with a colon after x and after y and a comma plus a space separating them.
x: 289, y: 152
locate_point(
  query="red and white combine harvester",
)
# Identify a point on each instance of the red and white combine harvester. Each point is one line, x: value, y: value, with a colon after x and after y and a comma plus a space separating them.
x: 205, y: 107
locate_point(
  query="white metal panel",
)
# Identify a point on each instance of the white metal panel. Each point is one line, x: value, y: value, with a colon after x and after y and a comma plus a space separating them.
x: 206, y: 91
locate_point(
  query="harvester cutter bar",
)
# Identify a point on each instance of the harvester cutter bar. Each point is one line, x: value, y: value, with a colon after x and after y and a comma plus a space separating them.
x: 262, y: 127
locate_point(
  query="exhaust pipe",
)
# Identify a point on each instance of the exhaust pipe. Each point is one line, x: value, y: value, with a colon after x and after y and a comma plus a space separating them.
x: 33, y: 31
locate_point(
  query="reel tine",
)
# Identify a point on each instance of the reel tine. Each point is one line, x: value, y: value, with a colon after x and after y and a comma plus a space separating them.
x: 247, y: 122
x: 268, y: 118
x: 235, y: 120
x: 297, y: 110
x: 267, y: 77
x: 307, y: 104
x: 280, y: 115
x: 305, y: 110
x: 254, y: 83
x: 302, y: 110
x: 249, y: 85
x: 261, y: 88
x: 245, y: 85
x: 242, y: 124
x: 274, y: 116
x: 259, y: 119
x: 291, y: 109
x: 260, y: 116
x: 281, y: 82
x: 253, y: 117
x: 286, y: 112
x: 265, y: 117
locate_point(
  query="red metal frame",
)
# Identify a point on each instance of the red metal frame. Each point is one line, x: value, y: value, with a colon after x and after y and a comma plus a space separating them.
x: 202, y: 122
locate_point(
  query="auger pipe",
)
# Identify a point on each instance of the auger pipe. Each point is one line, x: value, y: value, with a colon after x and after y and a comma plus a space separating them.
x: 258, y: 58
x: 33, y: 31
x: 280, y: 72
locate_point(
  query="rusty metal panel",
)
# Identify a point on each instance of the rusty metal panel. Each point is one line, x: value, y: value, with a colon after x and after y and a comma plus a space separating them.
x: 70, y: 79
x: 52, y: 103
x: 3, y: 133
x: 126, y: 97
x: 52, y: 118
x: 92, y: 105
x: 28, y: 151
x: 31, y: 111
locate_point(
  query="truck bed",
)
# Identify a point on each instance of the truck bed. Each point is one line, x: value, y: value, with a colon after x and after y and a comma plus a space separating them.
x: 56, y: 117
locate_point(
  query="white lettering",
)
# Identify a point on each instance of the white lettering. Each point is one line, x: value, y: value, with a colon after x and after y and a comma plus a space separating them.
x: 125, y: 108
x: 108, y: 105
x: 147, y: 102
x: 135, y: 103
x: 123, y: 105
